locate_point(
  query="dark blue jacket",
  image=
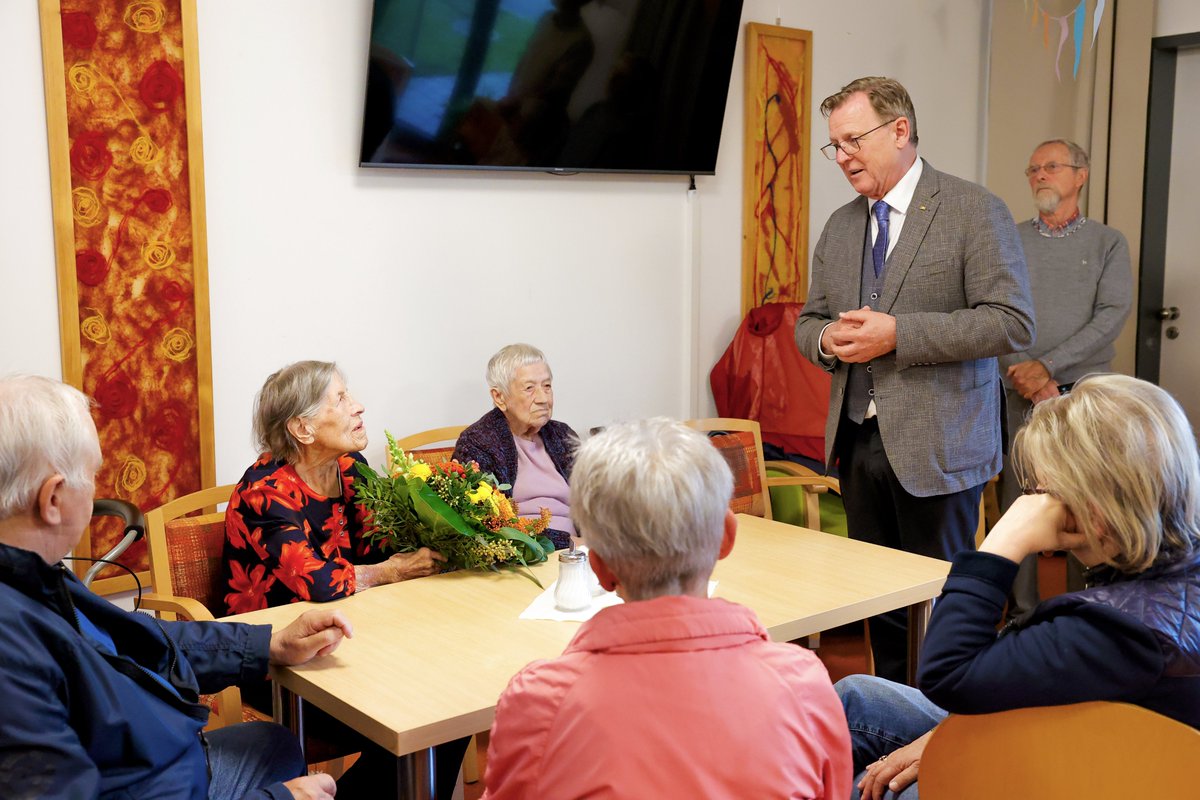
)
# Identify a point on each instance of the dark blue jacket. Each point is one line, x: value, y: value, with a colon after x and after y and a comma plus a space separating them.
x: 1134, y: 639
x: 489, y: 442
x: 77, y: 722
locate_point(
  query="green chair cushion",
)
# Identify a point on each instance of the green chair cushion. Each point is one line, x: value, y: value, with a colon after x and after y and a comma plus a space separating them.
x: 787, y: 505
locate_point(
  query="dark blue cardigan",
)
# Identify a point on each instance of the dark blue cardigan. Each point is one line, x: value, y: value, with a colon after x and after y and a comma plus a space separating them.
x: 489, y: 442
x: 1135, y: 639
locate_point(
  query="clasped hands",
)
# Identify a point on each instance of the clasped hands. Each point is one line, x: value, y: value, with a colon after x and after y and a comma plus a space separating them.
x: 858, y: 336
x: 1033, y: 381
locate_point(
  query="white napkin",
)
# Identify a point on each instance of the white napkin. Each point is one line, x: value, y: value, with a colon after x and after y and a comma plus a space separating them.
x: 543, y: 606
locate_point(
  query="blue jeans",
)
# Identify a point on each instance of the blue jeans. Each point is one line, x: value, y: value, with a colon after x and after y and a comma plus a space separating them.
x: 883, y: 716
x: 250, y: 757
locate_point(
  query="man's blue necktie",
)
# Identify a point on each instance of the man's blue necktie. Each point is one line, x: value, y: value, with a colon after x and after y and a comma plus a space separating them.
x: 879, y: 251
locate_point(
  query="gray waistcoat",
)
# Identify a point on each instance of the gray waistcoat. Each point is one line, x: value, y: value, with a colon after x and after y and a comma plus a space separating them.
x: 860, y: 388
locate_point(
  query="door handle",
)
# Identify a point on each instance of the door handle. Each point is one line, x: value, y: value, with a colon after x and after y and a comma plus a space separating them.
x: 1168, y: 314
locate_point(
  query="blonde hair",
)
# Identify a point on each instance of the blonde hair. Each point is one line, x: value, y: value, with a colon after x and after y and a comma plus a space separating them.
x: 1120, y: 453
x: 888, y: 97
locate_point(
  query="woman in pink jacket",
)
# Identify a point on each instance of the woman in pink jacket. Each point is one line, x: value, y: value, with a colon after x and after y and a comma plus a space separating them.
x: 670, y: 694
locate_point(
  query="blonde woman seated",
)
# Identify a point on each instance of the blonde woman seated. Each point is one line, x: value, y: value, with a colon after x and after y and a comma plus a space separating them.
x: 670, y: 694
x: 518, y: 442
x: 292, y: 528
x: 1113, y: 472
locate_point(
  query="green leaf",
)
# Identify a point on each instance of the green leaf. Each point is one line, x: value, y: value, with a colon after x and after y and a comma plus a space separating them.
x: 537, y: 552
x: 434, y: 512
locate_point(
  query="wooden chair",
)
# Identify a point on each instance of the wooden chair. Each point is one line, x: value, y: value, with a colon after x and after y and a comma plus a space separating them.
x: 434, y: 446
x: 1098, y: 750
x: 185, y: 572
x: 740, y: 442
x: 185, y: 567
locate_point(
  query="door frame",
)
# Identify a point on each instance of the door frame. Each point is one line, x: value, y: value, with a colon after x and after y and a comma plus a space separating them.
x: 1160, y: 122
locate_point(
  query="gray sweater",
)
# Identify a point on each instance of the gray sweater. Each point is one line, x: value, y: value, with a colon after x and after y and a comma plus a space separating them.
x: 1082, y: 288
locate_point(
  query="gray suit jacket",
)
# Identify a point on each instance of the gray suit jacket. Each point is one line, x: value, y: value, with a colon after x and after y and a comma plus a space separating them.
x: 956, y: 282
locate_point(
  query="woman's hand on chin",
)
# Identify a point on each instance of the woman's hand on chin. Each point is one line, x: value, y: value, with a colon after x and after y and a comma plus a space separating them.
x: 1034, y: 523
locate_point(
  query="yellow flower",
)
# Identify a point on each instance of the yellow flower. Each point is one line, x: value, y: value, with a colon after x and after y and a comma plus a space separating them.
x: 144, y: 151
x: 145, y: 16
x: 482, y: 492
x: 420, y: 470
x: 158, y: 255
x: 85, y: 206
x: 94, y: 327
x: 83, y: 78
x: 177, y: 344
x: 130, y: 477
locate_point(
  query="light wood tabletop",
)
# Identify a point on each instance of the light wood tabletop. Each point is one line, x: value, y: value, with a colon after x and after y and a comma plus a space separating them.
x: 430, y: 657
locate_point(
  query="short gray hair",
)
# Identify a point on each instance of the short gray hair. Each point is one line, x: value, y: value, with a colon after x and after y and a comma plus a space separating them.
x: 888, y: 97
x: 294, y: 391
x: 1120, y: 453
x: 1079, y: 156
x: 45, y: 428
x: 650, y: 498
x: 502, y: 367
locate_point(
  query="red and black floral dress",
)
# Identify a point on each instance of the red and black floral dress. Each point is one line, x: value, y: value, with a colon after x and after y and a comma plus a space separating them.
x: 285, y: 543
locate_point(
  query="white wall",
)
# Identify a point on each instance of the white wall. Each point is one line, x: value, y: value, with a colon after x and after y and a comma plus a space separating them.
x: 1174, y: 17
x: 411, y: 279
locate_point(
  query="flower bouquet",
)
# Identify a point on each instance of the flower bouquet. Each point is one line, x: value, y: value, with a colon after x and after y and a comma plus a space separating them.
x: 452, y: 508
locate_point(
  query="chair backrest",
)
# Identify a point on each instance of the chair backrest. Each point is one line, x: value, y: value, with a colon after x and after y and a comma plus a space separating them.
x: 1096, y: 750
x: 435, y: 446
x: 740, y: 442
x: 185, y: 551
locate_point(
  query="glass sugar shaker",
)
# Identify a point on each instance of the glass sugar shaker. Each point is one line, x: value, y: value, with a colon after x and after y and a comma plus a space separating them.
x: 573, y: 592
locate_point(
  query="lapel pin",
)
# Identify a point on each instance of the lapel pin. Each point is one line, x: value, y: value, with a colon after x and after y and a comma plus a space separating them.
x: 922, y: 208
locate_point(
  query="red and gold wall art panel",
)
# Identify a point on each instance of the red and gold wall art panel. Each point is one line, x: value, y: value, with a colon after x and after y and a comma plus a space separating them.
x: 123, y: 115
x: 775, y: 194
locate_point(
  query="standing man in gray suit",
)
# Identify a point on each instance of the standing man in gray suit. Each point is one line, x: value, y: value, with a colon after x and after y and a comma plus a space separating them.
x: 917, y: 286
x: 1083, y: 289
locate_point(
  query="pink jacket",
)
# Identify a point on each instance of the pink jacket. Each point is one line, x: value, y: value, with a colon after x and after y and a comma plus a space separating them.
x: 671, y: 697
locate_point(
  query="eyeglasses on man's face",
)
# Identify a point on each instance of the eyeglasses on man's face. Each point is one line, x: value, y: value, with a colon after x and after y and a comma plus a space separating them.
x: 851, y: 145
x: 1051, y: 168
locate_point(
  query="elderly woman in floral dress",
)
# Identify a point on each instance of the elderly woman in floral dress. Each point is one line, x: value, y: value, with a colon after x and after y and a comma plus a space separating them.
x: 292, y: 528
x: 293, y: 531
x: 519, y: 443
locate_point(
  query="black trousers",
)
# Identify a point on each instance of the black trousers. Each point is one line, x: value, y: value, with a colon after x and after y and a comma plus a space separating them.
x: 880, y: 511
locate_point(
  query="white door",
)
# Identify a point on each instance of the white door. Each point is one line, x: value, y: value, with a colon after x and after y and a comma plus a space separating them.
x: 1179, y: 368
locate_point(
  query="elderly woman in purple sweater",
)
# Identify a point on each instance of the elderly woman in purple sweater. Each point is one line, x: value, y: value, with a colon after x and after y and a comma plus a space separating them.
x: 518, y: 442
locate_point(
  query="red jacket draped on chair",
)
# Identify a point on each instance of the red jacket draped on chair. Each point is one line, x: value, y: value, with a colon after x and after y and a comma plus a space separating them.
x: 763, y: 377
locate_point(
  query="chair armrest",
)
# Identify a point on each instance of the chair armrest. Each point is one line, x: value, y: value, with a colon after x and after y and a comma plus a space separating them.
x: 185, y: 607
x: 814, y: 483
x: 790, y: 468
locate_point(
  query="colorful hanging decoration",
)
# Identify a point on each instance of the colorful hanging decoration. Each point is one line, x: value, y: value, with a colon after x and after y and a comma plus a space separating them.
x: 122, y: 99
x: 1072, y: 24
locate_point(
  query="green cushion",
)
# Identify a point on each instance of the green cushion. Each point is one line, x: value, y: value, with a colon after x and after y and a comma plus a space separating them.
x: 787, y: 505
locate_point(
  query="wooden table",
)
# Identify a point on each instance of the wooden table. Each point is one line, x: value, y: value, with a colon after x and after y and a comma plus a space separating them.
x: 430, y: 657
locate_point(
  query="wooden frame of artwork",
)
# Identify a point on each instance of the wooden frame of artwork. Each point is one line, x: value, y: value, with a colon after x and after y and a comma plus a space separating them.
x: 775, y: 196
x: 127, y: 187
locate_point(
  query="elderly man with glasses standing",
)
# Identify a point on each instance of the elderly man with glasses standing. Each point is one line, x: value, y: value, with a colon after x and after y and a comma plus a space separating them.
x: 917, y: 286
x: 1083, y: 289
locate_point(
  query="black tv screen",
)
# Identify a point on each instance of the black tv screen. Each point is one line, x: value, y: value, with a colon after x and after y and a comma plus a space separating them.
x: 549, y: 85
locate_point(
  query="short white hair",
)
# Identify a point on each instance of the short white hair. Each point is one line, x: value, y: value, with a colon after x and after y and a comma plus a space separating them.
x: 650, y: 497
x: 45, y: 428
x: 502, y: 367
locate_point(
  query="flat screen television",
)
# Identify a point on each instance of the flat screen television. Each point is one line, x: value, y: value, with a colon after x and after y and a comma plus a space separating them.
x: 549, y: 85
